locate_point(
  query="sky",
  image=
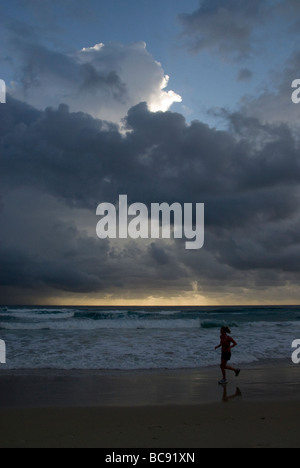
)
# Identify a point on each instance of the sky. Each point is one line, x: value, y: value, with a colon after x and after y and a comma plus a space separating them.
x: 163, y: 101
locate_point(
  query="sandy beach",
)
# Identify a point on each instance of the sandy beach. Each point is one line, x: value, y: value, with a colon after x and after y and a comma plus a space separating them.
x: 151, y: 409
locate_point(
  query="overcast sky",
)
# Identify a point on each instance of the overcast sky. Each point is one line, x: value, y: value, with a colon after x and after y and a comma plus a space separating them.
x: 165, y: 101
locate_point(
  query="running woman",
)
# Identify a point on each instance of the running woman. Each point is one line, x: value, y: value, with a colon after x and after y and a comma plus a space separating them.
x: 227, y: 344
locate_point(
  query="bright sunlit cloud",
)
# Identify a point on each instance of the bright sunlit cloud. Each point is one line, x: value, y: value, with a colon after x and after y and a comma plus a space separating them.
x: 104, y: 80
x: 165, y: 99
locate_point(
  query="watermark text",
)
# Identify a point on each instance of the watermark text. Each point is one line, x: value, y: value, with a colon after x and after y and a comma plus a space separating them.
x: 2, y: 92
x: 296, y: 93
x: 2, y: 352
x: 296, y: 353
x: 163, y: 221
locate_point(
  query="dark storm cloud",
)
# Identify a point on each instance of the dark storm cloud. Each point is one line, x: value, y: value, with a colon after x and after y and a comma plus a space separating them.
x: 63, y: 154
x: 38, y: 247
x: 57, y: 166
x: 224, y: 26
x: 83, y: 160
x: 159, y: 254
x: 21, y: 270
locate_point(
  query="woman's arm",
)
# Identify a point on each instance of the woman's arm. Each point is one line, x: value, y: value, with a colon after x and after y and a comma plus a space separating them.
x: 234, y: 343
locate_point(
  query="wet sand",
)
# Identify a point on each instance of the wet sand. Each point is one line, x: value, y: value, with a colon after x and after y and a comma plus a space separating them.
x: 151, y: 409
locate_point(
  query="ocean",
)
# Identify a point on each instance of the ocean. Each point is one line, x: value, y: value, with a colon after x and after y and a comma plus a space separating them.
x: 142, y: 338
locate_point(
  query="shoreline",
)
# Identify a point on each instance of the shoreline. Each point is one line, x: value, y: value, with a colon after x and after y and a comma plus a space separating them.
x: 151, y: 409
x: 31, y: 388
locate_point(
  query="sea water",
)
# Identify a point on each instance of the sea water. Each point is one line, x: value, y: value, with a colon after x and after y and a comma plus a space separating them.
x: 143, y: 338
